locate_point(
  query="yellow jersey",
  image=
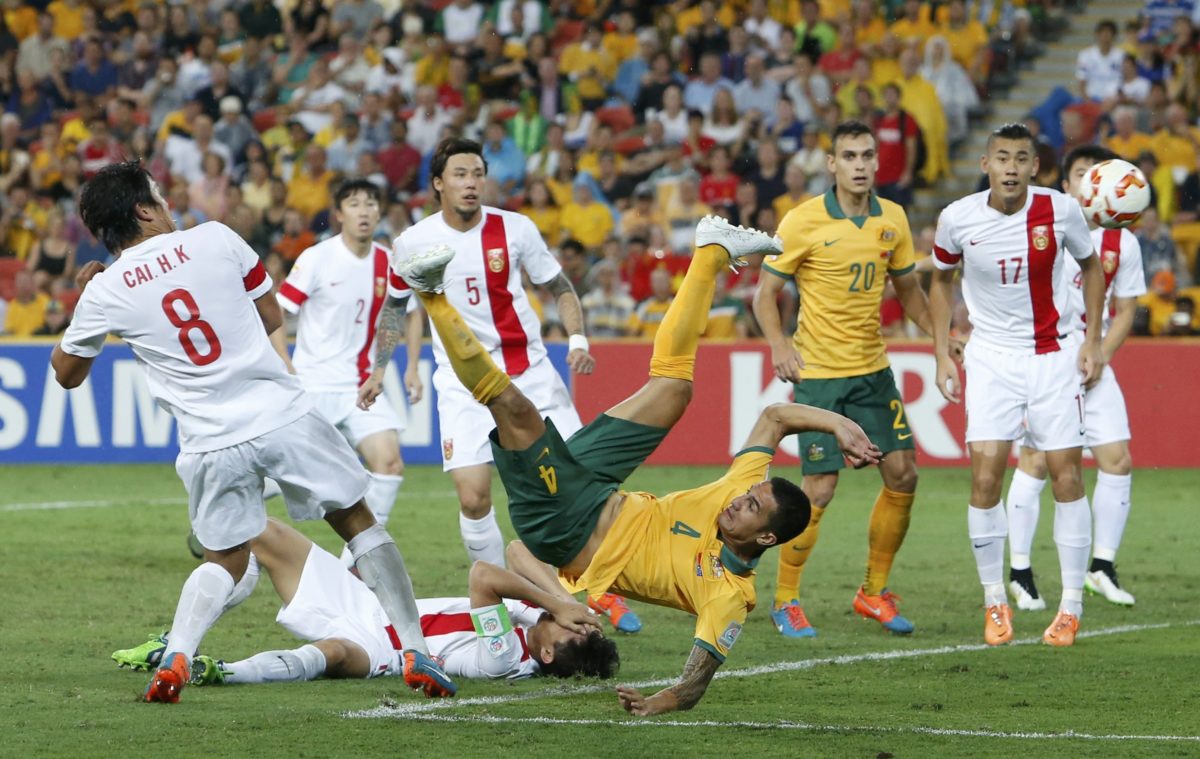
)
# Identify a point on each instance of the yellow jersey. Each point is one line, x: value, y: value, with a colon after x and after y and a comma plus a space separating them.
x: 839, y: 264
x: 668, y: 551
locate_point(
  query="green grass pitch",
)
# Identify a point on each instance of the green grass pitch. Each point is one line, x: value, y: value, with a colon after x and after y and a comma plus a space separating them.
x: 93, y: 559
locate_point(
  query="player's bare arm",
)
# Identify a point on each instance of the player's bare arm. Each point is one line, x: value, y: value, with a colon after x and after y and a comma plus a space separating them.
x: 697, y: 674
x: 1091, y: 354
x: 489, y: 585
x: 414, y: 328
x: 537, y: 572
x: 269, y: 311
x: 784, y: 356
x: 388, y: 334
x: 913, y: 300
x: 1120, y: 326
x: 941, y: 304
x: 779, y: 420
x: 70, y: 371
x: 279, y: 343
x: 570, y: 310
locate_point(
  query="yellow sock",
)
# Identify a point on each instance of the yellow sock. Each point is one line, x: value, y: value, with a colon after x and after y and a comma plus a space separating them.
x: 471, y: 363
x: 889, y: 523
x: 679, y: 334
x: 793, y: 556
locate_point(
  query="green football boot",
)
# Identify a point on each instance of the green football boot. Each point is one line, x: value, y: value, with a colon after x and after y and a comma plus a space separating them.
x: 144, y: 657
x: 208, y: 671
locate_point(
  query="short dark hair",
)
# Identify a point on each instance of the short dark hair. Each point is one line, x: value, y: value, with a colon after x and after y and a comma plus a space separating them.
x: 1108, y: 24
x: 593, y: 656
x: 354, y: 185
x: 572, y: 244
x: 108, y: 201
x: 447, y: 149
x: 849, y: 128
x: 1011, y: 131
x: 791, y: 517
x: 1093, y: 153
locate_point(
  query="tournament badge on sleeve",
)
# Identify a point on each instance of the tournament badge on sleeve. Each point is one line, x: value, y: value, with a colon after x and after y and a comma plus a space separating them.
x: 493, y: 625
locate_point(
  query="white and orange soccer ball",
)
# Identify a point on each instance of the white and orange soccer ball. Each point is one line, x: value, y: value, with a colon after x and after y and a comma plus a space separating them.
x: 1114, y: 193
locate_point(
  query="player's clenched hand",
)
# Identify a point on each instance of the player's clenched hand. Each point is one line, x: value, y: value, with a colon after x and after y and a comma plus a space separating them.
x: 855, y: 444
x: 787, y: 362
x: 635, y: 703
x: 412, y: 382
x: 369, y: 391
x: 948, y: 383
x: 85, y: 275
x: 1091, y: 363
x: 580, y: 361
x: 575, y: 616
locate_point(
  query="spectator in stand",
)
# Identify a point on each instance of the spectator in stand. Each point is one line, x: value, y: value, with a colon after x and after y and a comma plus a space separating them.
x: 355, y: 18
x: 607, y: 308
x: 673, y: 117
x: 425, y: 124
x: 1126, y: 141
x: 642, y: 216
x: 399, y: 160
x: 1134, y: 88
x: 586, y: 219
x: 460, y: 22
x: 1159, y: 253
x: 968, y: 41
x: 914, y: 26
x: 919, y: 99
x: 95, y: 75
x: 260, y: 19
x: 733, y: 60
x: 757, y: 93
x: 809, y: 90
x: 654, y: 85
x: 540, y: 208
x: 718, y: 188
x: 296, y: 237
x: 207, y: 194
x: 838, y: 63
x: 700, y: 92
x: 27, y: 310
x: 1161, y: 14
x: 100, y: 149
x: 764, y: 30
x: 1175, y: 145
x: 234, y: 130
x: 505, y: 161
x: 52, y: 255
x: 853, y: 104
x: 785, y: 131
x: 814, y: 36
x: 184, y: 155
x: 683, y: 212
x: 797, y: 190
x: 309, y: 189
x: 1098, y: 68
x: 34, y: 54
x: 727, y: 317
x: 767, y: 175
x: 725, y: 125
x: 745, y: 208
x: 650, y: 312
x: 954, y: 88
x: 811, y: 158
x: 896, y: 136
x: 347, y: 149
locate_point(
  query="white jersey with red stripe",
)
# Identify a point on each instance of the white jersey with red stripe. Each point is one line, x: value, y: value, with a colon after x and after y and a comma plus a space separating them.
x: 184, y: 303
x: 1121, y: 261
x: 1013, y: 284
x: 483, y: 281
x: 450, y: 635
x: 338, y: 296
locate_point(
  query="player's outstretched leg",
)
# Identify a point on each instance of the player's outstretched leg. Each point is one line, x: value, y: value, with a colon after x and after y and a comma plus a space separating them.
x: 663, y: 399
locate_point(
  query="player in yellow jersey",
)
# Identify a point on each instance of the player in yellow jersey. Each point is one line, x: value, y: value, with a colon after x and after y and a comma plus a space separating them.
x: 839, y: 248
x: 693, y: 550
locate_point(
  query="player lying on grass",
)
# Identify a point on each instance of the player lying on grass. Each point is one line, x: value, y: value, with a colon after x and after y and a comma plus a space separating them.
x: 693, y: 550
x: 507, y: 627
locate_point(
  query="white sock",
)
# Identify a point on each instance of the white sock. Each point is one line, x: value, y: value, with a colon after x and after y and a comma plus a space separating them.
x: 987, y: 529
x: 482, y: 538
x: 201, y: 602
x: 244, y: 586
x: 1024, y: 506
x: 304, y: 663
x: 1073, y: 536
x: 381, y: 567
x: 1110, y: 503
x: 381, y: 495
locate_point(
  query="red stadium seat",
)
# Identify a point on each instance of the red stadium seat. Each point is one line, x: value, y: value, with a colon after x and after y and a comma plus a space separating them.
x: 8, y: 276
x: 619, y: 117
x: 566, y: 32
x: 264, y: 119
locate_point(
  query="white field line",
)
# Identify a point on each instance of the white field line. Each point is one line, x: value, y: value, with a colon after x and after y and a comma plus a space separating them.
x: 789, y: 725
x: 180, y: 500
x: 424, y: 707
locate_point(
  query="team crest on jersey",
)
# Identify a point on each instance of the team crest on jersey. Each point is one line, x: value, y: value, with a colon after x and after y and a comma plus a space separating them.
x: 497, y: 646
x: 380, y: 286
x: 730, y: 636
x: 448, y: 448
x: 816, y: 452
x: 715, y: 567
x: 1041, y: 237
x: 495, y: 259
x: 1108, y: 259
x: 887, y: 234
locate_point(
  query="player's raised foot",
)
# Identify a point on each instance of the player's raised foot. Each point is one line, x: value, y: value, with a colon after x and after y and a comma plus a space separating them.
x: 143, y: 657
x: 424, y: 271
x: 737, y: 241
x: 789, y: 620
x: 1062, y: 630
x: 617, y: 610
x: 1024, y: 591
x: 424, y: 674
x: 168, y: 680
x: 997, y: 625
x: 208, y: 671
x: 1102, y: 581
x: 882, y: 609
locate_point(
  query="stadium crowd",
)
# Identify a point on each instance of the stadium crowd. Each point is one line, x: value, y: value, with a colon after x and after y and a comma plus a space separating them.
x: 615, y: 125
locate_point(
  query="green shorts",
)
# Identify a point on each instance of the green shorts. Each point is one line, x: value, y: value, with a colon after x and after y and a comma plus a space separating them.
x: 871, y: 400
x: 557, y: 489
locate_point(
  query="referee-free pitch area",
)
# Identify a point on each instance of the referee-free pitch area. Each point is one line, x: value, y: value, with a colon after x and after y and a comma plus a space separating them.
x: 93, y: 558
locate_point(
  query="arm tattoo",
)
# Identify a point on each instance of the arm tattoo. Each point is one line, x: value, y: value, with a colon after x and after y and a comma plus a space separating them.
x: 391, y: 329
x: 697, y: 673
x: 570, y: 311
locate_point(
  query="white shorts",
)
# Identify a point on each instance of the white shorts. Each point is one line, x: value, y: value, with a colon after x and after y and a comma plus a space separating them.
x: 1007, y: 392
x: 465, y: 423
x: 332, y: 603
x: 315, y: 468
x: 1104, y: 416
x: 356, y: 425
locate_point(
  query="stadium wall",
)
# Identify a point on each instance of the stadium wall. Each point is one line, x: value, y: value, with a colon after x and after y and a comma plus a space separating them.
x: 112, y: 418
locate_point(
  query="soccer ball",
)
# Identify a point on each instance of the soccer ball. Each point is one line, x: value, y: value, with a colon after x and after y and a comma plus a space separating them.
x: 1114, y: 193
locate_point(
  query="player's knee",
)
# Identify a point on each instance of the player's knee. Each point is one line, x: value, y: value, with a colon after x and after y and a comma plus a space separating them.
x: 820, y: 490
x: 901, y: 480
x: 475, y: 505
x: 985, y: 489
x: 1067, y: 483
x: 1120, y: 463
x: 389, y: 465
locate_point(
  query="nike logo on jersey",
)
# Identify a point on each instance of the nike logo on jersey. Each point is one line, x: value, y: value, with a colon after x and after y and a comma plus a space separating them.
x: 831, y: 242
x: 976, y: 242
x: 335, y: 284
x: 545, y: 452
x: 904, y: 437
